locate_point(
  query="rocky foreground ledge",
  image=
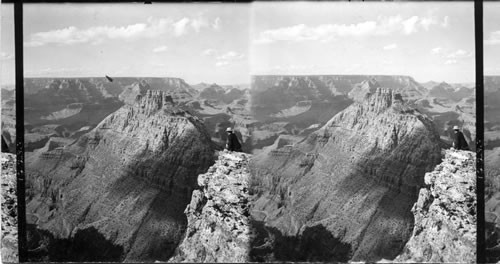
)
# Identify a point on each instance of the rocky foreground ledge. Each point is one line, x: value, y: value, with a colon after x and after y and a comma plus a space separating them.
x: 9, y: 209
x: 218, y: 228
x: 445, y: 213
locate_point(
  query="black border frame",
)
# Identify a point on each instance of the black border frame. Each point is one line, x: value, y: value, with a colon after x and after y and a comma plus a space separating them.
x: 480, y: 235
x: 21, y: 186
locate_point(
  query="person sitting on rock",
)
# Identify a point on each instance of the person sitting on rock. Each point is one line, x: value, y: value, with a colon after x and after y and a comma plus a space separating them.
x: 459, y: 141
x: 232, y: 143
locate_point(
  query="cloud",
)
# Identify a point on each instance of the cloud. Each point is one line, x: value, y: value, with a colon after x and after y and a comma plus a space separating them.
x: 216, y: 24
x: 152, y: 28
x: 6, y: 56
x: 327, y: 32
x: 231, y: 55
x: 459, y: 54
x: 446, y: 22
x: 390, y: 46
x: 436, y: 50
x: 198, y: 23
x: 221, y: 63
x: 180, y: 27
x: 494, y: 38
x: 228, y: 57
x: 160, y: 49
x: 223, y: 59
x: 209, y: 52
x: 451, y: 56
x: 410, y: 25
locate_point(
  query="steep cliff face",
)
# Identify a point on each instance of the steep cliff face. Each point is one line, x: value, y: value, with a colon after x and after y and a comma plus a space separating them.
x: 130, y: 93
x: 491, y: 112
x: 445, y: 213
x: 492, y: 167
x: 359, y: 91
x: 356, y: 178
x: 218, y: 228
x: 445, y: 90
x: 77, y: 102
x: 309, y: 87
x: 219, y: 94
x: 128, y: 180
x: 177, y: 88
x: 9, y: 209
x: 271, y: 94
x: 290, y: 104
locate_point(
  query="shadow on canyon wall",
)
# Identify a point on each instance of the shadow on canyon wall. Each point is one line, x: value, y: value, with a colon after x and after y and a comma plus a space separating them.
x: 87, y: 245
x: 492, y: 241
x: 315, y: 243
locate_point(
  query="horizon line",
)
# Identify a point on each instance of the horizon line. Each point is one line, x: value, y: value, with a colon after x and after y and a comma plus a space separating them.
x: 240, y: 83
x: 251, y: 76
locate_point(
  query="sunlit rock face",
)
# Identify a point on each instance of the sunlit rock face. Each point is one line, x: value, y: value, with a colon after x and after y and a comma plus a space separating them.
x: 128, y: 180
x: 9, y: 209
x: 445, y: 213
x: 218, y: 228
x: 356, y: 179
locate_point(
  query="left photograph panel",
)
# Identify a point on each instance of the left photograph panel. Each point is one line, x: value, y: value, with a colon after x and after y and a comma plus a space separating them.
x: 125, y: 105
x: 9, y: 245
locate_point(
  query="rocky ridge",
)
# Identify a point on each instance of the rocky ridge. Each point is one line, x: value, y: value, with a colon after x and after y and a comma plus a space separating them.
x: 492, y: 167
x: 9, y: 209
x: 327, y: 85
x: 445, y: 213
x: 369, y: 160
x: 218, y: 228
x: 126, y: 182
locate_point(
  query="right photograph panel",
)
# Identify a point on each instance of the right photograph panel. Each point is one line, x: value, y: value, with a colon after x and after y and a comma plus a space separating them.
x: 364, y: 146
x: 491, y: 49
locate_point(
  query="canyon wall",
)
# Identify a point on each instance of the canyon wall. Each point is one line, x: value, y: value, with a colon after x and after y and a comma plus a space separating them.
x: 218, y: 228
x: 128, y: 180
x: 368, y: 161
x: 445, y: 213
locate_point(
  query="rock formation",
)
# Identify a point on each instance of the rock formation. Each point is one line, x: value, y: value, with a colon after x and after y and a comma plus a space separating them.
x: 354, y: 180
x: 359, y: 91
x: 177, y: 88
x: 492, y: 166
x: 445, y: 213
x: 216, y: 93
x: 130, y: 93
x: 218, y: 228
x: 317, y: 87
x: 447, y: 91
x: 125, y: 183
x: 275, y: 99
x: 491, y: 112
x: 9, y: 209
x: 67, y: 104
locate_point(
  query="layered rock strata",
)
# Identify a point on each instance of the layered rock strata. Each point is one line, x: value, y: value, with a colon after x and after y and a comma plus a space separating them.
x: 128, y: 180
x: 445, y: 213
x: 356, y: 178
x: 218, y: 228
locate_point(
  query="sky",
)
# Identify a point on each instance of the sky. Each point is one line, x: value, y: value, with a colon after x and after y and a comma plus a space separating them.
x: 7, y: 61
x: 226, y: 43
x: 196, y: 42
x: 428, y: 41
x: 491, y: 32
